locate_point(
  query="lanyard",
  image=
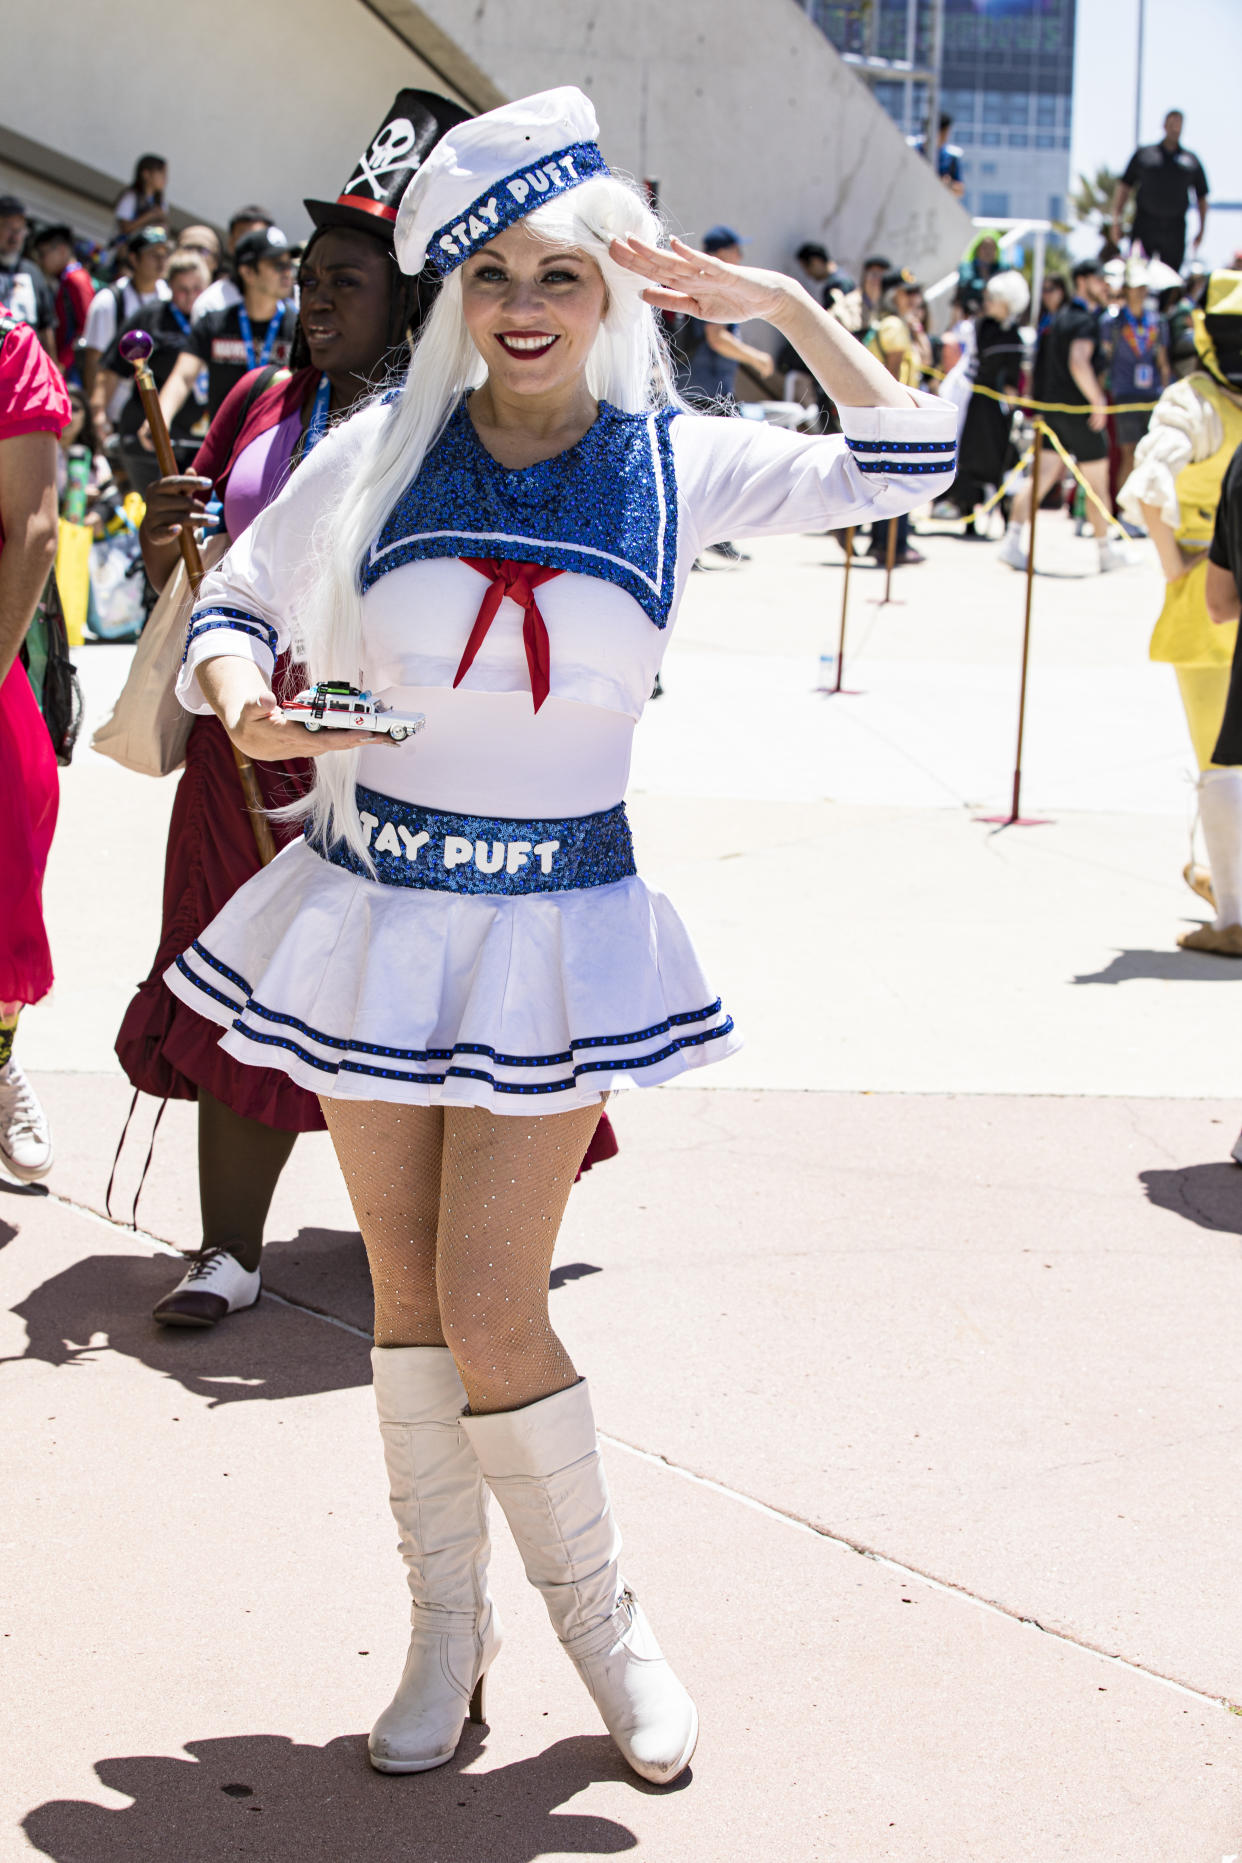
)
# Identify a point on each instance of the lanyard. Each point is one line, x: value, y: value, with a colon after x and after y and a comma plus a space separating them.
x: 269, y: 341
x: 201, y: 379
x: 1131, y: 329
x: 318, y: 424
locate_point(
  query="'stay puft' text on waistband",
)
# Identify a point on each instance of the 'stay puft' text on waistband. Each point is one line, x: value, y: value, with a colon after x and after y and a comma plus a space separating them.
x: 455, y: 850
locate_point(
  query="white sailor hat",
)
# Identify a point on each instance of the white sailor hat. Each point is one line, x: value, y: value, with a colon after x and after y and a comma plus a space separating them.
x: 493, y: 170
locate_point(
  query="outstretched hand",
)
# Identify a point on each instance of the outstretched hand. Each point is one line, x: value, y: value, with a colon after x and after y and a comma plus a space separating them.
x: 698, y: 285
x: 260, y: 729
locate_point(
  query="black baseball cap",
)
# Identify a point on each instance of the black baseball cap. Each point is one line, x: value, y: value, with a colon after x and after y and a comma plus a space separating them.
x: 1088, y: 268
x: 264, y: 242
x: 9, y: 203
x: 900, y: 278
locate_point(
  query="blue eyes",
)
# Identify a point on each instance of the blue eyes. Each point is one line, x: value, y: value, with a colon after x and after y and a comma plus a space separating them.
x: 492, y: 274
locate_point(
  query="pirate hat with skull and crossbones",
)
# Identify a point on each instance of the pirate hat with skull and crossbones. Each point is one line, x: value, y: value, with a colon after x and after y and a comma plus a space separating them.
x: 369, y: 200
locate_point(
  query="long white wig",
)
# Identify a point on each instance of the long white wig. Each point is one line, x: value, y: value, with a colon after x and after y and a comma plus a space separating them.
x: 628, y: 366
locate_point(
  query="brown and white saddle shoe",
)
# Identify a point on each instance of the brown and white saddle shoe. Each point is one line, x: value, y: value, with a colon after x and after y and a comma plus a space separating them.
x: 214, y: 1285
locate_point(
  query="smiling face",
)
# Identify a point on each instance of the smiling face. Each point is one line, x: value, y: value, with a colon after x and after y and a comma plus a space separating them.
x: 346, y: 283
x: 532, y: 310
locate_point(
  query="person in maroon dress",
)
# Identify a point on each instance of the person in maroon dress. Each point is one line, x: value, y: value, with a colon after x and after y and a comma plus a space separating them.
x: 357, y: 312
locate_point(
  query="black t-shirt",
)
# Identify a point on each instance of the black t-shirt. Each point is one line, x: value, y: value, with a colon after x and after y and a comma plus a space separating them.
x: 219, y: 341
x: 1163, y: 181
x: 838, y: 284
x: 161, y: 322
x: 1072, y: 323
x: 1225, y: 549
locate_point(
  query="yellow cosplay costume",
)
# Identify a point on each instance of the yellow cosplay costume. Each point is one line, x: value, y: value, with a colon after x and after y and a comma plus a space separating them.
x: 1179, y: 468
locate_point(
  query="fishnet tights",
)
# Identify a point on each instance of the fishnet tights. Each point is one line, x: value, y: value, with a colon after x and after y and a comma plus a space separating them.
x: 459, y: 1211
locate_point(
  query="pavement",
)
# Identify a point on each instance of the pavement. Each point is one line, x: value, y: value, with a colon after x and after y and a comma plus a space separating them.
x: 912, y: 1331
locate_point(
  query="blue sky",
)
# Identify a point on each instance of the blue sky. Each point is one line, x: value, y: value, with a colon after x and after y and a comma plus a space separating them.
x: 1192, y: 60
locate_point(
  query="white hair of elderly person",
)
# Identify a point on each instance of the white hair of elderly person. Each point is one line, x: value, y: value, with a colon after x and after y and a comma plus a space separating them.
x: 1005, y: 300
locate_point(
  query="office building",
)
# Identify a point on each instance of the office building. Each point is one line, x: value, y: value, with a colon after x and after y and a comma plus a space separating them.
x: 1006, y: 77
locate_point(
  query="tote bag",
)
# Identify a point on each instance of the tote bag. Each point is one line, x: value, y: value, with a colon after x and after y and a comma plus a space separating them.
x: 148, y: 728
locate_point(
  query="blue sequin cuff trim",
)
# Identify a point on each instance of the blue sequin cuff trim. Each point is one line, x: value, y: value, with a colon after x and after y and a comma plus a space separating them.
x: 437, y: 850
x: 511, y: 200
x: 900, y: 468
x: 203, y: 620
x: 900, y: 446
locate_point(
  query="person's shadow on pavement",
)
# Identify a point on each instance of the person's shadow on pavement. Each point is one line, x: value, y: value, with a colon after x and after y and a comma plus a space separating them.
x: 1207, y: 1194
x: 103, y: 1304
x: 267, y: 1797
x: 1166, y: 967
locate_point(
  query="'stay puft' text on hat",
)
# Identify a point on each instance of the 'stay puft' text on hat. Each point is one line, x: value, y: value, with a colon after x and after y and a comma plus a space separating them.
x: 492, y: 171
x: 368, y: 202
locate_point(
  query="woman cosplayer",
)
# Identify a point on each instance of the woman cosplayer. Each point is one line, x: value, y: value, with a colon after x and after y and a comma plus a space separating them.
x: 459, y: 957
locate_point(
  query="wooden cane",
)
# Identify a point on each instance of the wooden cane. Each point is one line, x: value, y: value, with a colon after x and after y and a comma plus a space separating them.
x: 845, y: 602
x: 136, y: 347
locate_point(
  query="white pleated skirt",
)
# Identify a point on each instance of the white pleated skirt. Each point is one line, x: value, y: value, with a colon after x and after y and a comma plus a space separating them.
x: 526, y: 1004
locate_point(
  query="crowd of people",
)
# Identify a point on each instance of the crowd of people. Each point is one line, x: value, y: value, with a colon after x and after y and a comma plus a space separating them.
x: 405, y: 1007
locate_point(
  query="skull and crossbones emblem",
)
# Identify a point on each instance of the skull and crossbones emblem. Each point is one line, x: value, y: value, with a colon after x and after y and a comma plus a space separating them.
x: 388, y: 152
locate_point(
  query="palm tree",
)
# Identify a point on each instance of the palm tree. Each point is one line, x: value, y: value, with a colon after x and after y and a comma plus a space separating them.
x: 1092, y: 200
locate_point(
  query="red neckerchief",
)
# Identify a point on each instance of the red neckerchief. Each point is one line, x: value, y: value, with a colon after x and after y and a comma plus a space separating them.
x: 518, y: 580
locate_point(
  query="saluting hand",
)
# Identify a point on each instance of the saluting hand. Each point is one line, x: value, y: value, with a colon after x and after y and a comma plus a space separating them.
x: 696, y: 284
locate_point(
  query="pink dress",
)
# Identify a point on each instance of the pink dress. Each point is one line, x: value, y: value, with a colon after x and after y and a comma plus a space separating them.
x: 32, y: 400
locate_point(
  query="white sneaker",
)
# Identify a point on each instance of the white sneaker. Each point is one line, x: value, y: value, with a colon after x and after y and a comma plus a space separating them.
x: 1011, y: 550
x: 216, y: 1284
x: 1113, y: 556
x: 25, y: 1137
x: 1235, y: 1151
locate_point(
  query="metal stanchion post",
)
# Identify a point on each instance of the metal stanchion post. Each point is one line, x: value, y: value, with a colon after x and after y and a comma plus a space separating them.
x: 845, y: 602
x: 890, y: 558
x: 1015, y: 817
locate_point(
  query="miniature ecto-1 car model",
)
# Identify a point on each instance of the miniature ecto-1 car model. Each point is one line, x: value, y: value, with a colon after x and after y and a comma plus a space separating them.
x: 337, y: 707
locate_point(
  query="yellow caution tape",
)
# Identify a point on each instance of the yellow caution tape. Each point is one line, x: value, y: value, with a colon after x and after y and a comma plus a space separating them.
x: 1049, y: 407
x: 1015, y: 472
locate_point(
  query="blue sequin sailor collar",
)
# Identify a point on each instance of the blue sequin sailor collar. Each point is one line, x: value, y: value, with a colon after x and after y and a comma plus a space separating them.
x: 606, y: 508
x: 510, y: 200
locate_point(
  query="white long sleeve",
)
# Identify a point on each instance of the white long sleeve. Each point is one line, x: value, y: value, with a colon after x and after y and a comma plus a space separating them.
x: 740, y: 478
x: 248, y: 605
x: 1184, y: 429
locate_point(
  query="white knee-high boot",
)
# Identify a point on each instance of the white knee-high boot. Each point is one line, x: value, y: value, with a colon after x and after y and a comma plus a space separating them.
x: 439, y: 1502
x: 1220, y: 814
x: 542, y: 1463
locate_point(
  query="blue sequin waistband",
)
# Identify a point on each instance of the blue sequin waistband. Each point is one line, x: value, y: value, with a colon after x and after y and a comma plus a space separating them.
x: 447, y: 853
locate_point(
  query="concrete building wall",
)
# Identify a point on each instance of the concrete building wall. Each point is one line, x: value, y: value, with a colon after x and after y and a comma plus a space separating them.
x: 265, y: 100
x: 742, y: 110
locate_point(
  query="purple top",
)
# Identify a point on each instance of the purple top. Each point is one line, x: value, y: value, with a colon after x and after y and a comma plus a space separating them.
x: 259, y: 473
